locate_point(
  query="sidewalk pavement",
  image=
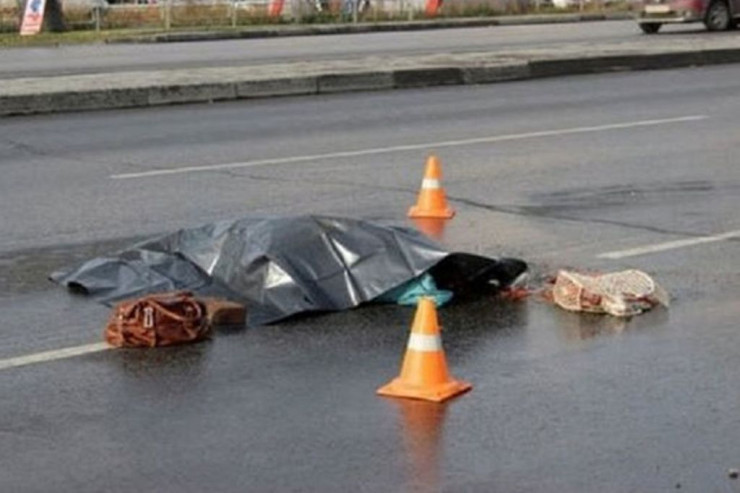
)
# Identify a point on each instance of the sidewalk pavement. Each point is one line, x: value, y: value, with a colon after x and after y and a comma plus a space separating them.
x: 155, y: 88
x: 285, y: 30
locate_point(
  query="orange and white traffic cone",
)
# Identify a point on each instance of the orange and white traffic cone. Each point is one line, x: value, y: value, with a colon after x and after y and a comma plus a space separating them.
x: 432, y: 201
x: 424, y: 373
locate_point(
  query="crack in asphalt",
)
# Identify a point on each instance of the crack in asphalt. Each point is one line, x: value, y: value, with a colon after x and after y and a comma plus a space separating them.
x: 26, y: 148
x: 36, y: 151
x: 535, y: 211
x: 522, y: 211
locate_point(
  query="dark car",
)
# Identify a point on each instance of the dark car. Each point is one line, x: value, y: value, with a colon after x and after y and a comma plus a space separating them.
x: 717, y: 15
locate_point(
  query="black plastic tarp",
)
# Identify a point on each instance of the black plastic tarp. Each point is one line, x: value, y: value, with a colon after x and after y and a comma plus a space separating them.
x: 281, y: 266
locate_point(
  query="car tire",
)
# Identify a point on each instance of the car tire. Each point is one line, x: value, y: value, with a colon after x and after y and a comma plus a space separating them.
x: 650, y: 28
x: 718, y: 16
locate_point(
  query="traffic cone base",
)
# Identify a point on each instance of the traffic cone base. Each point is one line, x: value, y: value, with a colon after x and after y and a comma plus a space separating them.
x: 423, y: 212
x: 399, y: 388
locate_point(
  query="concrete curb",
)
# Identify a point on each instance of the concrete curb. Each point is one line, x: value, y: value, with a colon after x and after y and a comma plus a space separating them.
x: 333, y: 29
x: 42, y: 97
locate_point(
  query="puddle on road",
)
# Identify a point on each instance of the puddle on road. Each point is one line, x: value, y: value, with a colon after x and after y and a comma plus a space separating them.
x: 574, y: 326
x: 27, y: 271
x: 421, y: 427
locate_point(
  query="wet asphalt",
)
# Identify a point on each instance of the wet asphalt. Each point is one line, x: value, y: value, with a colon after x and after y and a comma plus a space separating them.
x: 560, y: 401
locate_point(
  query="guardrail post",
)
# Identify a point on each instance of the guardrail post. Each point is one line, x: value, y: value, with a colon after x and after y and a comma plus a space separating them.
x: 167, y: 15
x: 96, y: 16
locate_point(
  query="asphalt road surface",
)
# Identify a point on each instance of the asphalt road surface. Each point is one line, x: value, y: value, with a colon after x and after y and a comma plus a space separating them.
x: 65, y: 60
x: 634, y: 170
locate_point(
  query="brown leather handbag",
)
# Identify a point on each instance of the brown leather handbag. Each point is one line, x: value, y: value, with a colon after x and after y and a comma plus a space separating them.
x: 158, y: 320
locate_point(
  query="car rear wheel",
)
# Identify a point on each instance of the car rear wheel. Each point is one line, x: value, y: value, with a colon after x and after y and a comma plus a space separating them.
x: 651, y: 28
x: 718, y: 16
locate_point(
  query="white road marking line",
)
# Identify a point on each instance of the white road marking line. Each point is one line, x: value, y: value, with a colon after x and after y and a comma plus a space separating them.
x: 53, y: 355
x: 669, y: 245
x: 409, y: 147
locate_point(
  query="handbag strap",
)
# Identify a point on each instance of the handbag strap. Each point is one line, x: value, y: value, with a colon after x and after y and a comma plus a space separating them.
x: 177, y: 316
x: 184, y: 297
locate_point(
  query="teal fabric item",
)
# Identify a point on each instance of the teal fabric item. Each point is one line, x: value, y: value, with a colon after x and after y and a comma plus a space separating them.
x: 408, y: 294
